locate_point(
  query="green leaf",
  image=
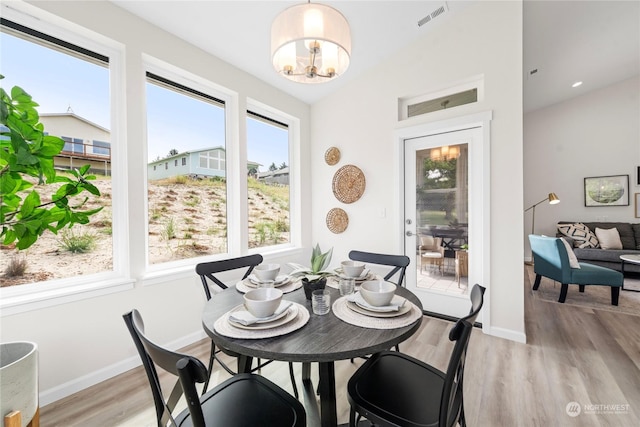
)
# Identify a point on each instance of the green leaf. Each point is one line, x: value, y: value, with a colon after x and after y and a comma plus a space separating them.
x: 26, y: 241
x: 84, y: 169
x: 51, y: 146
x: 9, y: 236
x: 91, y: 189
x: 29, y: 204
x: 25, y: 157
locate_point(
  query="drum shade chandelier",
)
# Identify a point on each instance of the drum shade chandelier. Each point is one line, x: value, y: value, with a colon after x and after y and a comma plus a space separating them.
x: 310, y: 43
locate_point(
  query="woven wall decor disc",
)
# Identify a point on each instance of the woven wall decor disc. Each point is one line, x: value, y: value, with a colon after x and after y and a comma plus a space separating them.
x: 348, y: 184
x: 337, y: 220
x: 332, y: 156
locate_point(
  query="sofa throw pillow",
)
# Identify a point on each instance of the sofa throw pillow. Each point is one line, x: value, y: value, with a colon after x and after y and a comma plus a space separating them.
x: 609, y: 238
x: 580, y: 233
x: 573, y: 259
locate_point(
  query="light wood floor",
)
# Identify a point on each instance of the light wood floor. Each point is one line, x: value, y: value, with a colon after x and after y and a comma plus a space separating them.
x: 587, y: 356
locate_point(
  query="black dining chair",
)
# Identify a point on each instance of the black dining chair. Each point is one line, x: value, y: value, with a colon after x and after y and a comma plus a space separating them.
x: 398, y: 263
x: 242, y: 400
x: 207, y: 272
x: 394, y: 389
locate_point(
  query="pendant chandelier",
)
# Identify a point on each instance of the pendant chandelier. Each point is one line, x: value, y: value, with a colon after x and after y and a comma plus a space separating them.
x: 310, y: 43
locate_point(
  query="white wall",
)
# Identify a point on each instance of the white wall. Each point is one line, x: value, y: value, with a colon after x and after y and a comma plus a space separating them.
x: 86, y: 341
x: 596, y: 134
x: 483, y: 39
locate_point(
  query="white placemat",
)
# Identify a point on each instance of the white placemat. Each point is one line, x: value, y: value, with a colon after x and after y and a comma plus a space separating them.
x: 223, y: 327
x: 334, y: 281
x: 345, y: 314
x: 289, y: 287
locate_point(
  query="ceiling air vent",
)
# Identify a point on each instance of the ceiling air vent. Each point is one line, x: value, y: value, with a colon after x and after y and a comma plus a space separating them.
x: 437, y: 12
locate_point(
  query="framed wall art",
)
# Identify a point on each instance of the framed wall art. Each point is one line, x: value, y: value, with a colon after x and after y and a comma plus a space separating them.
x: 606, y: 190
x: 637, y: 205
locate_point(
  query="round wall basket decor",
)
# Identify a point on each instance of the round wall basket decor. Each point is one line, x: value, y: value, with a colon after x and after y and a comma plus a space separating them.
x: 348, y: 184
x: 332, y: 156
x: 337, y: 220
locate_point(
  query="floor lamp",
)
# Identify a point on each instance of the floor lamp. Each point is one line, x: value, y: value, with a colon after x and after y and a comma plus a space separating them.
x: 553, y: 200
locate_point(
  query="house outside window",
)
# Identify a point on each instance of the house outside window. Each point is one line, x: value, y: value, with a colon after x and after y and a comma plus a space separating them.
x: 85, y: 249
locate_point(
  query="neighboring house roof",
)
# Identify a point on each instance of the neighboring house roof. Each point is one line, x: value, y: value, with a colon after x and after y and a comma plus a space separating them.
x: 186, y: 153
x: 75, y: 116
x: 283, y: 171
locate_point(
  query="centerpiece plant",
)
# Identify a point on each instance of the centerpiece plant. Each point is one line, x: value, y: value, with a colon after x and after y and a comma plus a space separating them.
x: 315, y: 276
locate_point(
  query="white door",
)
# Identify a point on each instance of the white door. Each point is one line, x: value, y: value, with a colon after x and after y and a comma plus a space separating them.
x: 442, y: 230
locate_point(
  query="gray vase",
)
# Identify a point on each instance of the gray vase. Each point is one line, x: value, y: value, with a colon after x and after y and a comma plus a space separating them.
x: 19, y: 379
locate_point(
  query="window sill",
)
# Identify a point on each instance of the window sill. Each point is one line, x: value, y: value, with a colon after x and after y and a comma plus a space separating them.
x: 39, y: 295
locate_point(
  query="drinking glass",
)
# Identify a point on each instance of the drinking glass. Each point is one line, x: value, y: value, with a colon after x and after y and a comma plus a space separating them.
x: 321, y: 301
x: 347, y: 286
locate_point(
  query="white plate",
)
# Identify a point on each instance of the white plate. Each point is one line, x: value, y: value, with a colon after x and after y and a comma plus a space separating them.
x: 396, y: 300
x: 280, y: 280
x: 366, y: 275
x: 285, y: 318
x: 355, y: 307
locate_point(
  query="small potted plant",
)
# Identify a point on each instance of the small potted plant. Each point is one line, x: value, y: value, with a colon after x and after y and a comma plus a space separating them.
x: 315, y: 276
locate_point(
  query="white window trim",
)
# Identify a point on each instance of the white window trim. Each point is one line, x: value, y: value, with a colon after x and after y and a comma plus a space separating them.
x: 34, y: 296
x: 193, y: 81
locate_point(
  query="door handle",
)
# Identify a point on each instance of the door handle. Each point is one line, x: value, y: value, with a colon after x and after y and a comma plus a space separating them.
x: 410, y: 233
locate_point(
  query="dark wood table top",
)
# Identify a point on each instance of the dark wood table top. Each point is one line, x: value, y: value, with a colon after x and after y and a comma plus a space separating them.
x: 323, y: 339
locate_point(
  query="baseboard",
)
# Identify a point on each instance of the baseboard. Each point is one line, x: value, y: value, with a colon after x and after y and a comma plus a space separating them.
x: 508, y: 334
x: 67, y: 389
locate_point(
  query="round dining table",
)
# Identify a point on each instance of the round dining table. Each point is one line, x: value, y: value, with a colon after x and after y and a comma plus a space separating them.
x: 323, y: 339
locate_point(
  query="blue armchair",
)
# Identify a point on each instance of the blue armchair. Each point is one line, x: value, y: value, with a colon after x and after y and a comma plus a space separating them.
x: 551, y: 260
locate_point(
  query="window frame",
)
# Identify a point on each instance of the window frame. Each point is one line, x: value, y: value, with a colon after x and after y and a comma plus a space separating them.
x: 154, y: 272
x: 37, y: 295
x: 295, y: 196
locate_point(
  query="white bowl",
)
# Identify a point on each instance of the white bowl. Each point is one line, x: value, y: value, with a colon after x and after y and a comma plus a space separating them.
x: 377, y: 292
x: 262, y: 302
x: 266, y: 272
x: 352, y: 268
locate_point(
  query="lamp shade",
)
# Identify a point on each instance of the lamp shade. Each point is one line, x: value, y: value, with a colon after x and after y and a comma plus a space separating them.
x: 553, y: 199
x: 310, y: 43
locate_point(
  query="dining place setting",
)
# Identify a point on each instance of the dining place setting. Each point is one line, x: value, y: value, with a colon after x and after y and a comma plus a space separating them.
x: 365, y: 300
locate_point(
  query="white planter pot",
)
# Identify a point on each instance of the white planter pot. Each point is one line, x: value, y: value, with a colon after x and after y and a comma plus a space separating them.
x: 19, y: 379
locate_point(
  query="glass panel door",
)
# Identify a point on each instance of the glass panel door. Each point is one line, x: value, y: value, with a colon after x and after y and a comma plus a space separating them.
x: 437, y: 203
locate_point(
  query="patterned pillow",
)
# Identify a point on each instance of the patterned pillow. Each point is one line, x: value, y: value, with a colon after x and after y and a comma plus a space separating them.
x: 579, y: 232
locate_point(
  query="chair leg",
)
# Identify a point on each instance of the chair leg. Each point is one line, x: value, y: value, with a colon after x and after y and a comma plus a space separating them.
x: 212, y: 357
x: 293, y: 380
x: 563, y: 292
x: 581, y: 287
x: 615, y: 295
x: 352, y: 417
x: 536, y: 284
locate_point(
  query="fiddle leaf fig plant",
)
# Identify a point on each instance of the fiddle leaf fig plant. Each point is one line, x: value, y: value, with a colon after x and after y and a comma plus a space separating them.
x: 26, y: 157
x: 319, y: 262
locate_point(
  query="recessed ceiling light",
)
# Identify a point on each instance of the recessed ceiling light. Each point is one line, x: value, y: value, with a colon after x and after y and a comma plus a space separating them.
x: 576, y: 84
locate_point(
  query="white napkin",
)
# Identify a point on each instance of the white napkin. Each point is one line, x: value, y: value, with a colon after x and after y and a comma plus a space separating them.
x: 245, y: 318
x: 396, y: 303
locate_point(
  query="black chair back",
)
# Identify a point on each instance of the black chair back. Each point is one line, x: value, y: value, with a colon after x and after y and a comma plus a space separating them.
x: 192, y: 371
x: 208, y: 270
x: 451, y: 405
x: 398, y: 262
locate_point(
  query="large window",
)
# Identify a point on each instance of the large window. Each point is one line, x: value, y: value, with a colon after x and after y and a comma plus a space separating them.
x: 71, y: 82
x: 268, y: 181
x: 187, y: 202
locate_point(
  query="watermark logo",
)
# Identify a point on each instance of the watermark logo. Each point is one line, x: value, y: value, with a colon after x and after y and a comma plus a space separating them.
x: 573, y: 409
